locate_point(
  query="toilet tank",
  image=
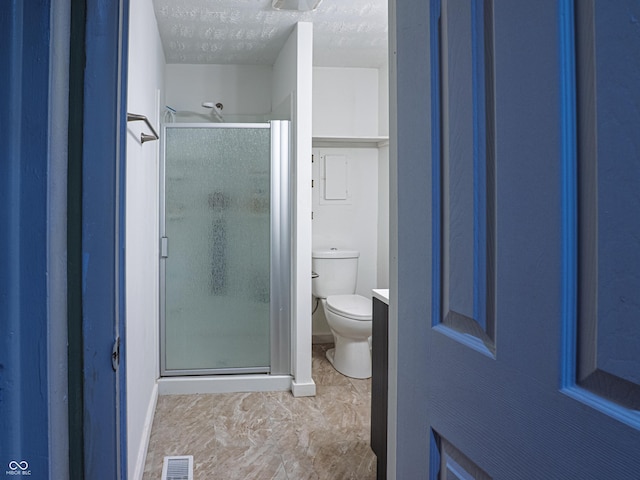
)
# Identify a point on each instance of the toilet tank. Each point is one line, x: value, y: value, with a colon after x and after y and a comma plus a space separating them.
x: 337, y: 272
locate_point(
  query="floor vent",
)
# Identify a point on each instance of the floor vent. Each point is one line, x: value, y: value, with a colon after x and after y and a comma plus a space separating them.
x: 178, y: 468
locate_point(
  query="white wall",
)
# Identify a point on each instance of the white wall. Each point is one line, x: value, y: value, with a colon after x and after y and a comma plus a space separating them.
x: 348, y: 102
x: 383, y: 179
x: 146, y: 71
x: 292, y: 89
x: 383, y: 100
x: 285, y: 73
x: 345, y: 102
x: 382, y: 260
x: 352, y: 225
x: 242, y: 89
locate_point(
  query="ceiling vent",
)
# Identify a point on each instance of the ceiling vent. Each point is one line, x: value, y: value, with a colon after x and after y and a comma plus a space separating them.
x: 178, y: 468
x: 296, y: 5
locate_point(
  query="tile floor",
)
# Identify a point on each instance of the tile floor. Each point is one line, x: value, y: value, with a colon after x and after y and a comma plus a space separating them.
x: 270, y: 436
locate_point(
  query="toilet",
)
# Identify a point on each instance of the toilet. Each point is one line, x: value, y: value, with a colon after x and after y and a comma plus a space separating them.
x: 348, y: 314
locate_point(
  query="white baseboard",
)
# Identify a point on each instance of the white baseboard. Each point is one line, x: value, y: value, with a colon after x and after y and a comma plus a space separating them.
x: 223, y: 384
x: 146, y: 435
x: 303, y: 389
x: 318, y: 338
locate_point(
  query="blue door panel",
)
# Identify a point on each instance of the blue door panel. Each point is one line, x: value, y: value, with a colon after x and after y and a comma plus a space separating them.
x: 516, y: 428
x: 618, y: 189
x: 609, y: 181
x: 527, y: 187
x: 454, y: 465
x: 458, y: 162
x: 464, y: 178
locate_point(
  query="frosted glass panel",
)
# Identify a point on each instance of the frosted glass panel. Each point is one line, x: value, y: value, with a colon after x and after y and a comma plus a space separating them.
x: 217, y: 214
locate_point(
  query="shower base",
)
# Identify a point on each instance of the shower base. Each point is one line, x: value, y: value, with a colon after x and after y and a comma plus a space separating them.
x: 224, y: 384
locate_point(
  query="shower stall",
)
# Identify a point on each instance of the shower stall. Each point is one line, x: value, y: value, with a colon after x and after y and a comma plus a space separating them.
x: 225, y: 249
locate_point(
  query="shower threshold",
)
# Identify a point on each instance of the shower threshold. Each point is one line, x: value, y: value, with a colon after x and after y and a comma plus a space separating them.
x: 224, y: 384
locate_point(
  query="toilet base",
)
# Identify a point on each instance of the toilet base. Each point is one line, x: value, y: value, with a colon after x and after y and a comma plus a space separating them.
x: 352, y: 359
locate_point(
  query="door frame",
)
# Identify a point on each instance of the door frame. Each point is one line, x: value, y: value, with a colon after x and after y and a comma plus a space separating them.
x: 409, y: 292
x: 96, y: 242
x: 65, y: 87
x: 32, y: 212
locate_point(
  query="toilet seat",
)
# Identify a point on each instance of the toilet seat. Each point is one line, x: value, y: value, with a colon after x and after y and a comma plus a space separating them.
x: 355, y: 307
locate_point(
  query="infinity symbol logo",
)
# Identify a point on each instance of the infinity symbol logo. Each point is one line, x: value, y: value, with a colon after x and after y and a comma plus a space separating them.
x: 23, y: 465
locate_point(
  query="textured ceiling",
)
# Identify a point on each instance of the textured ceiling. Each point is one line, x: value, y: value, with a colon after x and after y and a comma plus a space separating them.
x: 346, y: 33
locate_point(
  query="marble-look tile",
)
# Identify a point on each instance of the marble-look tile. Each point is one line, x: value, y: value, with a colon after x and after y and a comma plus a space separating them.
x: 243, y: 419
x: 240, y: 463
x: 297, y: 410
x: 271, y: 436
x: 323, y: 372
x: 362, y: 385
x: 345, y: 409
x: 180, y: 422
x: 331, y: 460
x: 296, y: 420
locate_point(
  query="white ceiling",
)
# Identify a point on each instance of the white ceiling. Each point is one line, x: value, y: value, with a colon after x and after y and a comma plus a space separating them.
x: 346, y: 33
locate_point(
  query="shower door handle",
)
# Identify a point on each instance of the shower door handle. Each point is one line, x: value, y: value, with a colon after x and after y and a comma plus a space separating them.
x: 164, y: 247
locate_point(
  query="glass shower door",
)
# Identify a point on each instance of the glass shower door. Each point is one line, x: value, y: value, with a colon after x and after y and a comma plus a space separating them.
x: 217, y: 249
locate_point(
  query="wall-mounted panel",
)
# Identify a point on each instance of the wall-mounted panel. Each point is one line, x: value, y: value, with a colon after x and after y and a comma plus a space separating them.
x: 608, y: 82
x: 464, y: 177
x: 336, y: 185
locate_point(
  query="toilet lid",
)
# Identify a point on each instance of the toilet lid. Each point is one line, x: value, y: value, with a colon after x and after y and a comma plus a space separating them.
x: 356, y: 307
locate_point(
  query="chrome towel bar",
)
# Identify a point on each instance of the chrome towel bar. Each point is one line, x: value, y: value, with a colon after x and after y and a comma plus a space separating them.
x: 144, y: 137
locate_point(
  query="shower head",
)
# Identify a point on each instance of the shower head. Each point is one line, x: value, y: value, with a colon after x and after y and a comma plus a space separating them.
x: 218, y: 105
x: 215, y: 110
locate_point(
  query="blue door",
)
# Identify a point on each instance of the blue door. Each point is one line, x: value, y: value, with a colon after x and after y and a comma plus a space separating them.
x: 27, y: 318
x: 62, y: 409
x: 518, y: 304
x: 103, y: 167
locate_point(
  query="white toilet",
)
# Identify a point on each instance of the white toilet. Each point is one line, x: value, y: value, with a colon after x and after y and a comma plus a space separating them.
x: 348, y: 315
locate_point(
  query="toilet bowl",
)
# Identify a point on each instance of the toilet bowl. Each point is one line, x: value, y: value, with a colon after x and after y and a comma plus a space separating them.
x: 349, y: 317
x: 348, y: 314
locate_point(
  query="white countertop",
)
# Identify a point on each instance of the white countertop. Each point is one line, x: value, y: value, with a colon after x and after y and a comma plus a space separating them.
x: 381, y: 294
